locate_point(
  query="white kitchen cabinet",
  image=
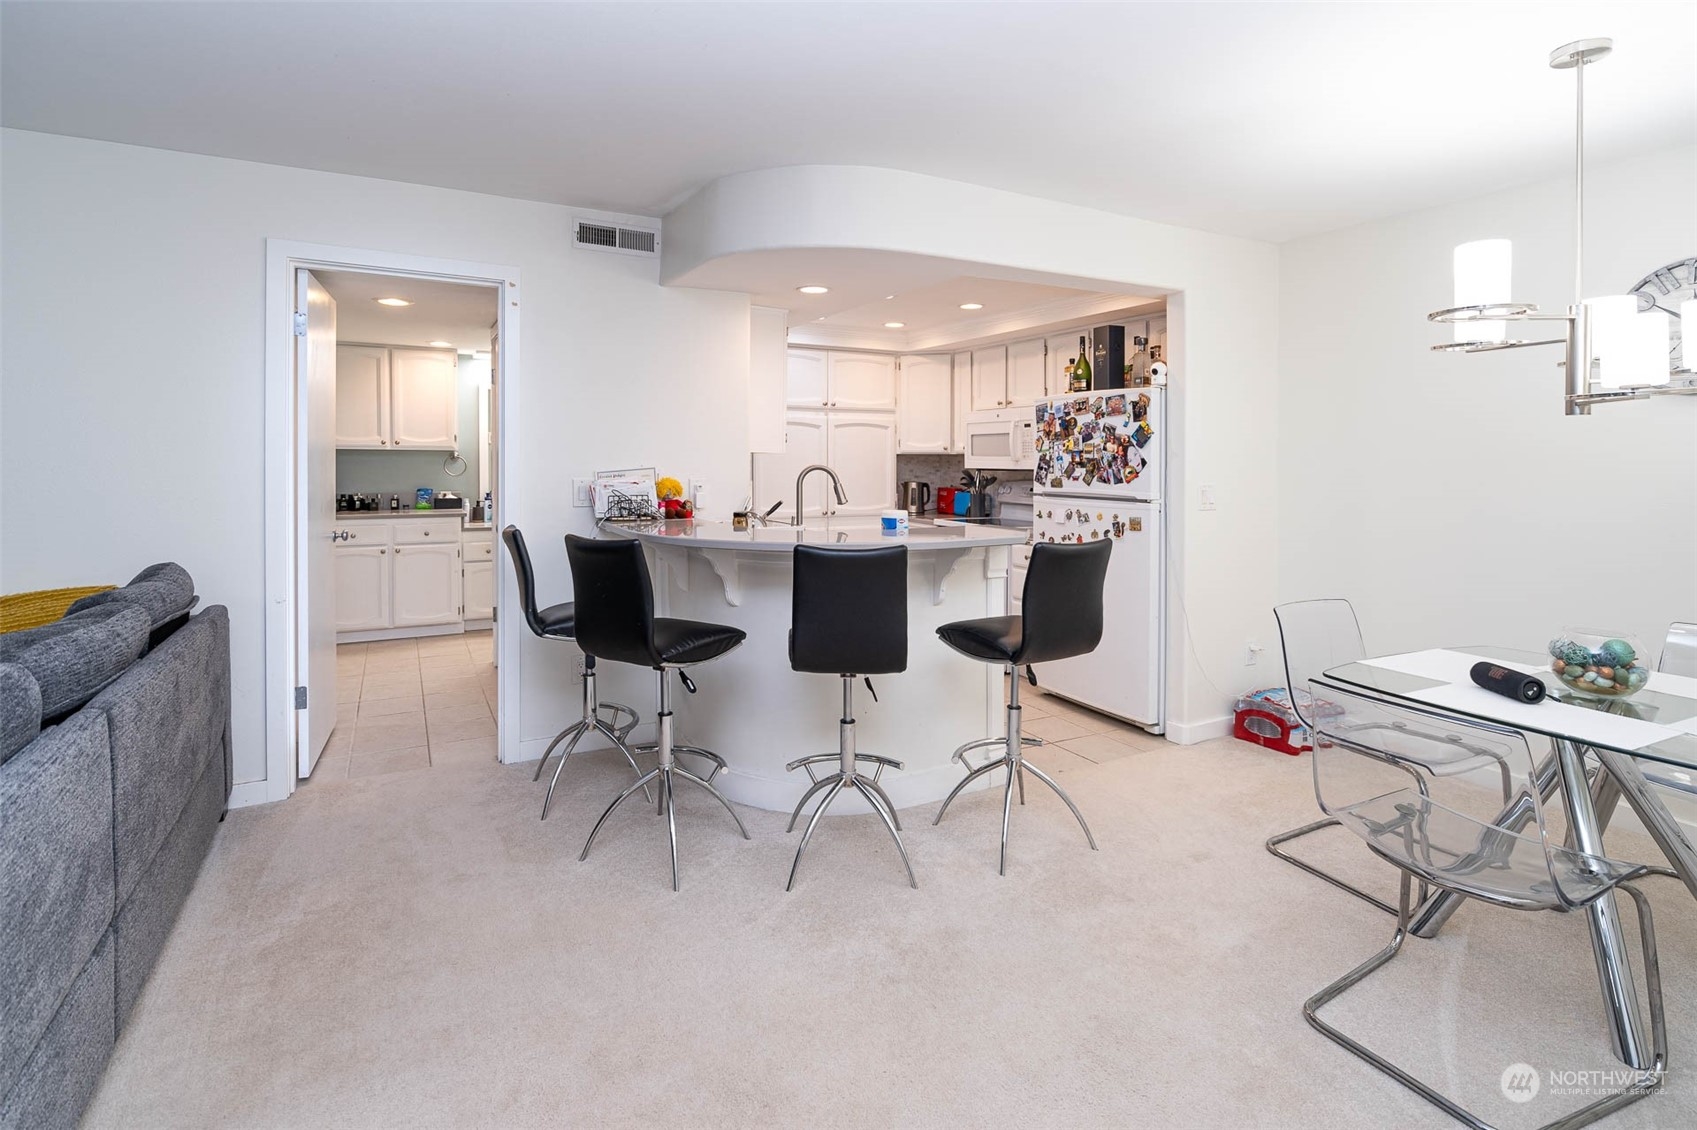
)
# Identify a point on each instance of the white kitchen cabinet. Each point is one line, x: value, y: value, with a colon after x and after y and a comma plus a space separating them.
x: 425, y: 584
x: 774, y: 475
x: 478, y: 590
x: 362, y: 396
x: 1026, y: 379
x: 925, y: 418
x: 804, y: 379
x: 962, y: 399
x: 424, y: 401
x: 861, y: 380
x: 861, y: 448
x: 989, y: 378
x: 829, y: 378
x: 362, y: 587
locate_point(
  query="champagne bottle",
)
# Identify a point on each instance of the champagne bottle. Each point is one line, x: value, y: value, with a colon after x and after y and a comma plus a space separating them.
x: 1081, y: 370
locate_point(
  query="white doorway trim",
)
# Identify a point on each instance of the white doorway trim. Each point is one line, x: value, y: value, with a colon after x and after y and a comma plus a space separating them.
x: 283, y: 417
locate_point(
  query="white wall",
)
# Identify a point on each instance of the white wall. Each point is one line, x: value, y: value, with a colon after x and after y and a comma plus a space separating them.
x: 1447, y: 495
x: 1223, y: 337
x: 115, y: 453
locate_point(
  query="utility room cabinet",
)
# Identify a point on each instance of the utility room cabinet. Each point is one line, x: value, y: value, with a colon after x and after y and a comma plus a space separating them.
x: 477, y: 556
x: 399, y: 574
x: 832, y: 378
x: 390, y: 397
x: 362, y: 587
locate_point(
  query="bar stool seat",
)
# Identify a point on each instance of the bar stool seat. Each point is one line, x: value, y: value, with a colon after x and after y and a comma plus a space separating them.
x: 1061, y: 616
x: 617, y: 622
x: 848, y: 618
x: 612, y: 720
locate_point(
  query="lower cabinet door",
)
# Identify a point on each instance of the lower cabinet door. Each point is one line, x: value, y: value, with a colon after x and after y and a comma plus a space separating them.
x: 479, y: 592
x: 362, y: 588
x: 425, y: 586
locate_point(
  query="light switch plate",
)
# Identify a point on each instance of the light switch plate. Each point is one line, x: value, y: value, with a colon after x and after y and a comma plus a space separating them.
x: 580, y: 492
x: 1205, y: 498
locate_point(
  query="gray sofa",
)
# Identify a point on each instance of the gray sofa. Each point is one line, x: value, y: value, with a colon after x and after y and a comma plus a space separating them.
x: 114, y: 773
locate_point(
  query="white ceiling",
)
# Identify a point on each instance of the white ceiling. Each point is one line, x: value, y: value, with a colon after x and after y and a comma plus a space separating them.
x: 1269, y: 120
x: 458, y: 313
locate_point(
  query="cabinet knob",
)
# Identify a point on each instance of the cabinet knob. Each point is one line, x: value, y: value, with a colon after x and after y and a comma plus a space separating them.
x: 426, y: 533
x: 384, y: 442
x: 382, y: 551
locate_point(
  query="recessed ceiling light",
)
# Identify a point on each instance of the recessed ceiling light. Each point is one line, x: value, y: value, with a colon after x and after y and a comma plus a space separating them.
x: 393, y: 302
x: 894, y: 325
x: 972, y: 305
x: 814, y: 289
x: 887, y: 297
x: 442, y: 344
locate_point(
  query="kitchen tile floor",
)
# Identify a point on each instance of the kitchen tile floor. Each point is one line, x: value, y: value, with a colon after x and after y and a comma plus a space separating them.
x: 410, y: 704
x: 1075, y: 734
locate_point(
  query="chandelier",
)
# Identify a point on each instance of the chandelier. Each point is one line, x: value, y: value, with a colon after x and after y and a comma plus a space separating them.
x: 1615, y: 351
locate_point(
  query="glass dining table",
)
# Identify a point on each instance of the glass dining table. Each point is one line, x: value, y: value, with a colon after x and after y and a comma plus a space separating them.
x: 1655, y: 729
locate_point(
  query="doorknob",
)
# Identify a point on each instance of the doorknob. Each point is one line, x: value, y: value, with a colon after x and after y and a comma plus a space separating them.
x: 339, y: 535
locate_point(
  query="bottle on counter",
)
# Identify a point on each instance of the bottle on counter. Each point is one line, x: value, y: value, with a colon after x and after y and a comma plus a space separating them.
x: 1081, y: 369
x: 394, y: 502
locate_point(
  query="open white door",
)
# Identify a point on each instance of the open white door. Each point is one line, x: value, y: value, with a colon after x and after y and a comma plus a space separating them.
x: 315, y: 517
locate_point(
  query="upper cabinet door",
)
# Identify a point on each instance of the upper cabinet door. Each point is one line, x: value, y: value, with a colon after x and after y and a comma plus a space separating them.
x: 362, y: 396
x: 962, y: 367
x: 925, y: 421
x: 861, y: 380
x: 774, y: 475
x: 1063, y: 351
x: 805, y: 380
x: 424, y: 398
x: 989, y: 378
x: 862, y: 449
x: 1025, y: 372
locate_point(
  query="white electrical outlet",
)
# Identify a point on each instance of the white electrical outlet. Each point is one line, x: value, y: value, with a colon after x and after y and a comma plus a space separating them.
x: 1252, y: 654
x: 698, y: 494
x: 1205, y: 498
x: 580, y: 492
x: 577, y: 667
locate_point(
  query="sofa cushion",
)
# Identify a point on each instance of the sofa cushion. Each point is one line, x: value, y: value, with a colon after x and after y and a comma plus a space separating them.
x: 56, y: 876
x: 165, y: 591
x: 73, y: 659
x: 169, y: 716
x: 64, y: 1068
x: 20, y: 709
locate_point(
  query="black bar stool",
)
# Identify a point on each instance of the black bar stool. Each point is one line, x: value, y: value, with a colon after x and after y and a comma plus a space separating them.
x: 556, y: 622
x: 849, y: 618
x: 1061, y: 617
x: 617, y: 622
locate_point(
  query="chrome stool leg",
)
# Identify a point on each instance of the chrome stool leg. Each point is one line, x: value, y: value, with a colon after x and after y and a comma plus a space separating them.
x: 590, y: 720
x: 848, y: 775
x: 663, y: 775
x: 1013, y: 760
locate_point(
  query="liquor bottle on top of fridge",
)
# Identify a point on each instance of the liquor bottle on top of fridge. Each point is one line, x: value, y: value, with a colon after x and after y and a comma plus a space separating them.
x: 1081, y: 369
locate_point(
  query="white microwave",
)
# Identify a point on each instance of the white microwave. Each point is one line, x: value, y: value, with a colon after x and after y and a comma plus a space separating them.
x: 1002, y: 438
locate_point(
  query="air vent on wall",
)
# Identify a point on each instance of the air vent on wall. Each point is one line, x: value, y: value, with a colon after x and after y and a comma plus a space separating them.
x: 612, y: 237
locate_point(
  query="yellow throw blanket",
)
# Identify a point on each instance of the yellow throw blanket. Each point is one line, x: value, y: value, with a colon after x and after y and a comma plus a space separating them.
x: 33, y: 609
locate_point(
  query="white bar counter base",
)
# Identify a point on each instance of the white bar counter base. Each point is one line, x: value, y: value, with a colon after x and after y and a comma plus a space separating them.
x: 759, y: 715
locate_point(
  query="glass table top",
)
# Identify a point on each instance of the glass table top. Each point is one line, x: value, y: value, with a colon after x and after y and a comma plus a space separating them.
x: 1656, y: 706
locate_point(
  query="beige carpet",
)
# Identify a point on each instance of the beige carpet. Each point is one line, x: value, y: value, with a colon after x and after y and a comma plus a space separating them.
x: 417, y: 949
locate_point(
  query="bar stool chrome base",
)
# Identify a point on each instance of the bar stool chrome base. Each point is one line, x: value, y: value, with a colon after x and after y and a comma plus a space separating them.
x: 1014, y: 762
x: 662, y: 776
x: 591, y: 720
x: 847, y: 776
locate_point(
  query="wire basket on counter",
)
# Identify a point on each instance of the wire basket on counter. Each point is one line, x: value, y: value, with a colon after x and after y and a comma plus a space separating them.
x: 623, y: 507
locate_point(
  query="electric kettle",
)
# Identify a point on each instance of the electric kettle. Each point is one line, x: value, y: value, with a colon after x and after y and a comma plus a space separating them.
x: 914, y: 496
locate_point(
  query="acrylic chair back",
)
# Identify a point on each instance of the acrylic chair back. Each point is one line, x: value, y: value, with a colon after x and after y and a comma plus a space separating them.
x: 1315, y: 635
x: 1679, y: 651
x: 1453, y: 843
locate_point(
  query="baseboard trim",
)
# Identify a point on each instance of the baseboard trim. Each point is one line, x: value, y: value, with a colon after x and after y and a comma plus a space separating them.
x: 1190, y: 733
x: 246, y: 794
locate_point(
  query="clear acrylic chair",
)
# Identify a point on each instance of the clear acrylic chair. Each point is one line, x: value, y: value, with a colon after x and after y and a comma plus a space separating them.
x: 1456, y: 849
x: 1679, y: 657
x: 1317, y: 635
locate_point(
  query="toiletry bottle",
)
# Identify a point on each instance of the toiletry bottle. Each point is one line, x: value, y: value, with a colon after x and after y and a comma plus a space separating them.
x: 394, y: 502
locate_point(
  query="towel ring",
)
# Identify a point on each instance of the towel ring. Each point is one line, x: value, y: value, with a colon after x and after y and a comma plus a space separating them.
x: 448, y: 465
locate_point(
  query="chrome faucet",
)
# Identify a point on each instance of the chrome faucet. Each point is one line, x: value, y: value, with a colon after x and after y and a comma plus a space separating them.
x: 836, y: 485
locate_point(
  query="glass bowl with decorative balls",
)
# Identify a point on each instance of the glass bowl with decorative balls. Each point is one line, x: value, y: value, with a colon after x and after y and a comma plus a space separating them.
x: 1599, y: 665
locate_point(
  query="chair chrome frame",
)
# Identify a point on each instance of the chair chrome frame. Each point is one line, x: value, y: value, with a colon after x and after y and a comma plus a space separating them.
x: 1012, y: 759
x: 662, y: 776
x: 590, y: 720
x: 1647, y: 1081
x: 848, y: 775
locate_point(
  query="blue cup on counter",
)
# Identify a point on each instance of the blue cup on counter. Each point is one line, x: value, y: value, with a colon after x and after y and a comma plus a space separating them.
x: 894, y: 523
x: 963, y: 502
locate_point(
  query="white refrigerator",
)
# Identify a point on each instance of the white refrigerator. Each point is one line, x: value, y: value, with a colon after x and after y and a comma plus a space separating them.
x: 1101, y: 466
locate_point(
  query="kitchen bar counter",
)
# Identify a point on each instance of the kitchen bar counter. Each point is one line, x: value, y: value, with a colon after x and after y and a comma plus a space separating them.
x: 389, y: 515
x: 759, y: 715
